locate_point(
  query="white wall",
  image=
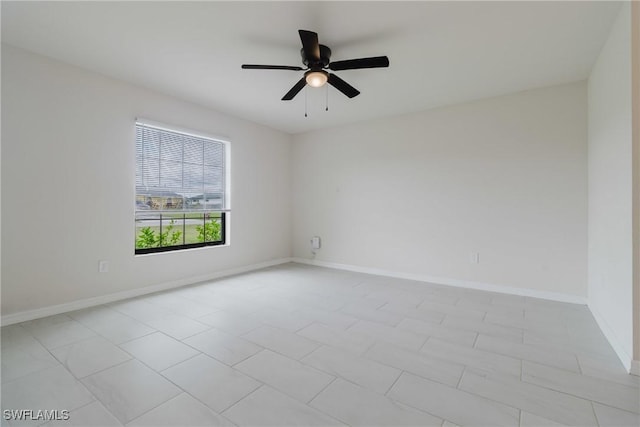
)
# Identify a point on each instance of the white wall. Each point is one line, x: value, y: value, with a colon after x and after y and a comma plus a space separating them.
x: 610, y: 188
x: 68, y: 186
x: 505, y: 177
x: 635, y: 77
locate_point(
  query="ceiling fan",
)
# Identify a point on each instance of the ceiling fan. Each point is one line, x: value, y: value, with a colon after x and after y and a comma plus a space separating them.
x: 316, y: 57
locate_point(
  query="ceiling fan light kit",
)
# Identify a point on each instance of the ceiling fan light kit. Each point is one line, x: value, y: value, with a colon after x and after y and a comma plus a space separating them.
x: 317, y: 58
x: 316, y: 78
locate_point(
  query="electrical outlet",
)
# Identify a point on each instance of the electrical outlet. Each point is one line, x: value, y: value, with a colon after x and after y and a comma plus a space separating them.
x: 474, y: 257
x: 103, y: 266
x: 315, y: 242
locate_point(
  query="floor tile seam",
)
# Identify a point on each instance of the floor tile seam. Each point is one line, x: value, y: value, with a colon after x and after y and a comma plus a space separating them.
x: 77, y: 381
x: 208, y: 327
x: 317, y: 344
x: 25, y: 331
x: 132, y: 339
x: 141, y: 299
x: 47, y: 349
x: 589, y: 399
x: 529, y: 329
x: 457, y: 386
x: 230, y: 332
x: 578, y: 350
x: 445, y: 327
x: 416, y: 374
x: 91, y: 403
x: 287, y: 332
x: 420, y: 410
x: 377, y: 340
x: 324, y: 295
x: 159, y: 371
x: 373, y: 391
x: 618, y: 409
x: 301, y: 328
x: 595, y: 416
x: 109, y: 307
x: 500, y: 402
x: 519, y: 357
x: 155, y: 331
x: 105, y: 337
x: 469, y: 329
x: 233, y: 366
x: 101, y: 370
x: 395, y: 330
x: 475, y: 341
x: 590, y: 377
x: 212, y: 328
x: 31, y: 324
x: 442, y: 417
x: 362, y: 354
x: 144, y: 413
x: 306, y: 365
x: 199, y: 301
x: 314, y: 320
x: 345, y: 379
x: 386, y: 393
x: 308, y: 402
x: 485, y: 353
x: 323, y: 412
x: 171, y: 398
x: 321, y: 343
x: 159, y: 404
x: 260, y: 384
x: 177, y: 296
x: 310, y: 354
x: 369, y: 347
x: 70, y: 343
x: 57, y: 363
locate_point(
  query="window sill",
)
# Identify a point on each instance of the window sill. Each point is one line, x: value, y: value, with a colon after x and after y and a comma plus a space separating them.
x: 182, y: 250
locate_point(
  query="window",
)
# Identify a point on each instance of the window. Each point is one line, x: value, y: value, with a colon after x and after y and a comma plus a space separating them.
x: 180, y: 190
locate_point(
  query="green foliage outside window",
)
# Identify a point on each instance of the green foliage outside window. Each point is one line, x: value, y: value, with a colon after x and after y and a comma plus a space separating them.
x: 148, y: 238
x: 210, y: 231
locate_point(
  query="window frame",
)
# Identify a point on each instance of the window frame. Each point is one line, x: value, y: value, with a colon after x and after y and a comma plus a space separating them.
x: 224, y: 211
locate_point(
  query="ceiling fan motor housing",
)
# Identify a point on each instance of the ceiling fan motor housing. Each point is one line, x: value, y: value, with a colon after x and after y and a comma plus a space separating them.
x: 325, y: 56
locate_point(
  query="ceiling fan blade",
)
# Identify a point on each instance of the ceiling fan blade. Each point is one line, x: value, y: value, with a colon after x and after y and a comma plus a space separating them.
x: 295, y: 89
x: 354, y: 64
x: 271, y: 67
x: 310, y: 45
x: 343, y: 86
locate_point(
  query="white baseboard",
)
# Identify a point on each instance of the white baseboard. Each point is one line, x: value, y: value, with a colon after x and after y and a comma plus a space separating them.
x: 534, y: 293
x: 38, y: 313
x: 635, y: 367
x: 625, y: 358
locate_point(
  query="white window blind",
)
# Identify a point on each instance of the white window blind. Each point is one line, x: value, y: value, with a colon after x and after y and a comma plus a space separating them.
x: 183, y: 171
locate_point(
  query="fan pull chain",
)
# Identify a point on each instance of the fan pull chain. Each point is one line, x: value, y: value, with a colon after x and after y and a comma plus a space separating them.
x: 326, y: 108
x: 305, y: 101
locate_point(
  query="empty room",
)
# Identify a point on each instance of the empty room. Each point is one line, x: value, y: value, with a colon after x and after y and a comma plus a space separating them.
x: 320, y: 213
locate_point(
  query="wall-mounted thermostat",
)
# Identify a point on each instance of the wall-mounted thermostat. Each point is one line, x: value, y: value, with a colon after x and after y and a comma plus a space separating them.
x: 315, y: 242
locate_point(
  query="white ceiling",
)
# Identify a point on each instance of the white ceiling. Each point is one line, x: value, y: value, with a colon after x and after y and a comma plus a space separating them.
x: 440, y: 52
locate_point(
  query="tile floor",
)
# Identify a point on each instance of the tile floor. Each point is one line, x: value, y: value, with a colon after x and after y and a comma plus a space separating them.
x: 300, y: 345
